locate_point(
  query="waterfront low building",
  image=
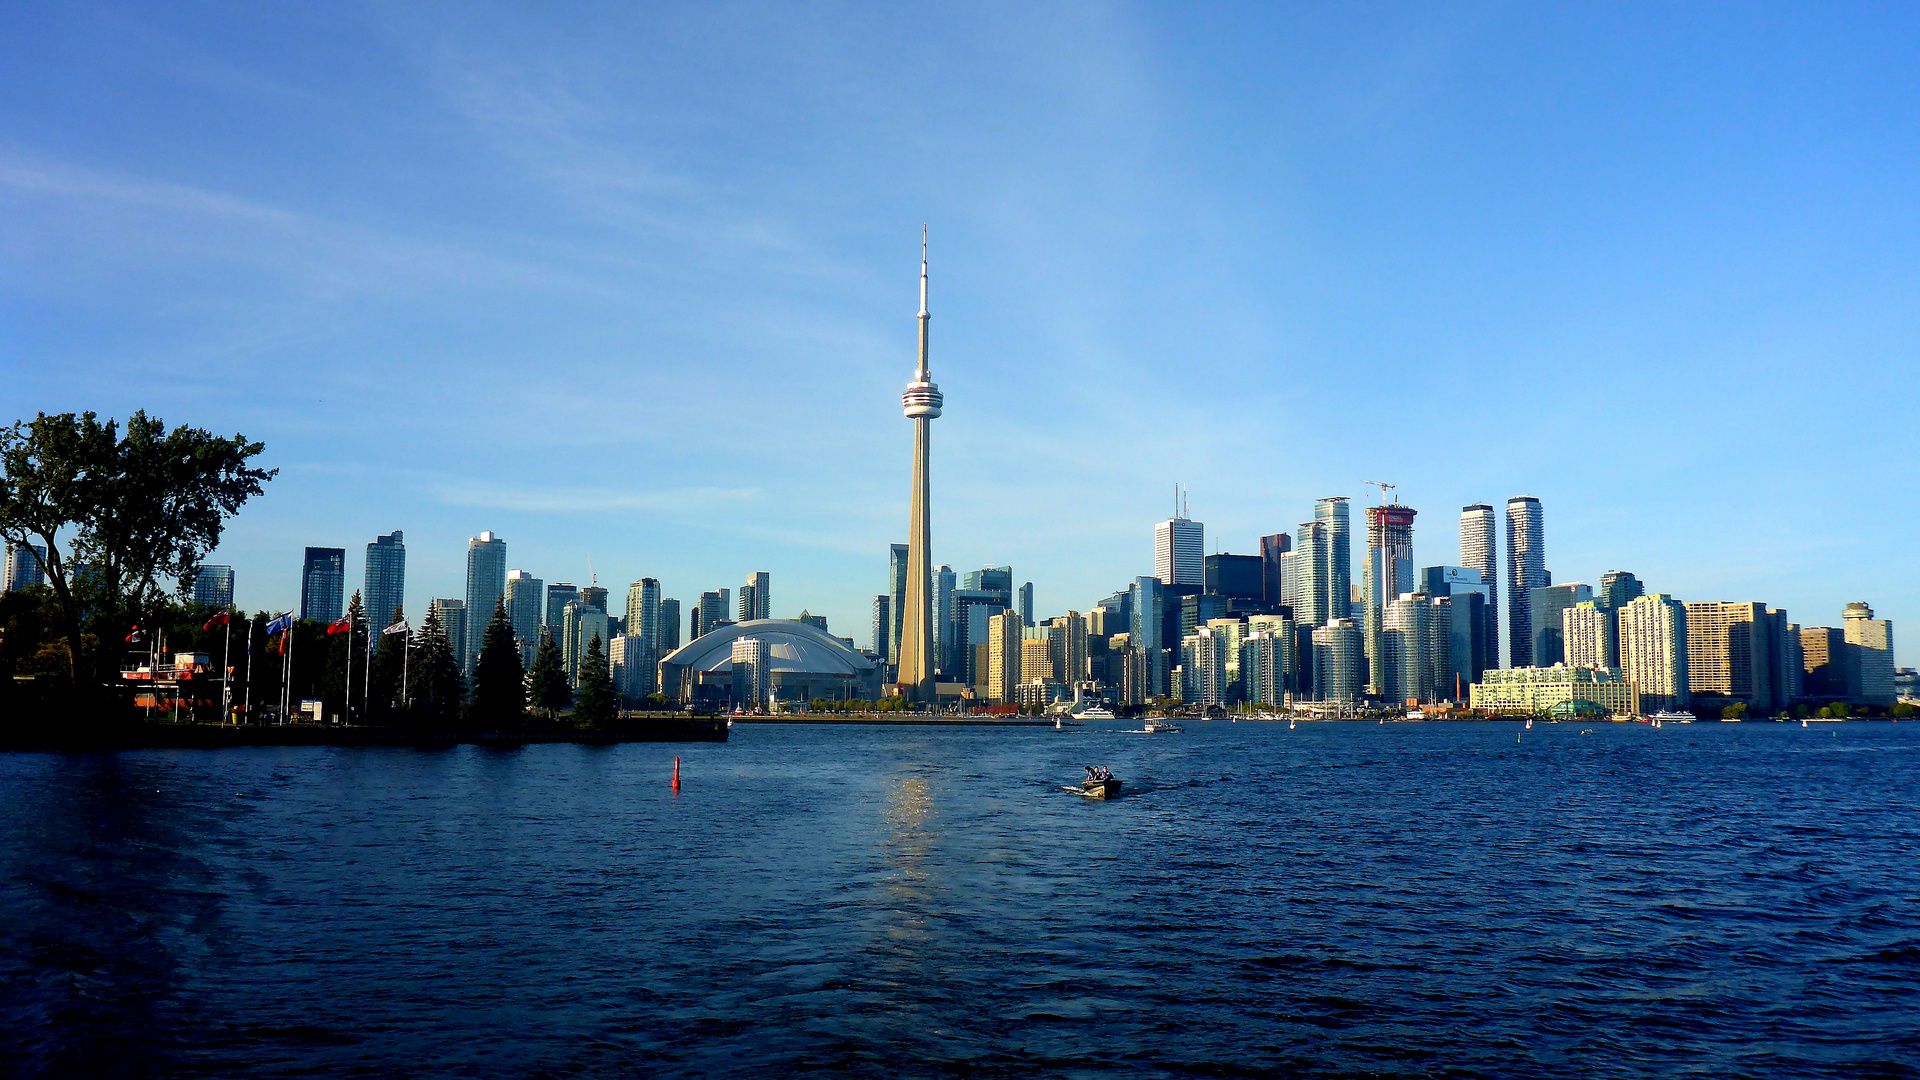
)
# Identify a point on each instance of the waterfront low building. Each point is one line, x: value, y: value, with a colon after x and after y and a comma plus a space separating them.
x: 1537, y: 691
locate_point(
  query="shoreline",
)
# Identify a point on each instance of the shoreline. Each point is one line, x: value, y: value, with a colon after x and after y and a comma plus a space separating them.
x: 176, y: 736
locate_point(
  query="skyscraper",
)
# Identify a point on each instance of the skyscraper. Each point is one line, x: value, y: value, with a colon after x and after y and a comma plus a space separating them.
x: 453, y: 620
x: 323, y: 580
x: 643, y: 634
x: 1547, y: 608
x: 756, y: 600
x: 1308, y: 583
x: 1728, y: 652
x: 1272, y: 568
x: 1618, y: 588
x: 525, y: 594
x: 1179, y: 545
x: 1477, y: 552
x: 1388, y: 574
x: 712, y: 612
x: 486, y: 585
x: 1332, y: 512
x: 752, y: 681
x: 1526, y: 571
x: 669, y: 626
x: 22, y: 568
x: 1591, y: 640
x: 1337, y: 655
x: 385, y: 588
x: 559, y: 595
x: 1025, y: 604
x: 1143, y: 636
x: 897, y: 559
x: 1653, y: 650
x: 943, y: 586
x: 882, y: 625
x: 921, y: 402
x: 1004, y: 635
x: 1869, y: 653
x: 213, y: 586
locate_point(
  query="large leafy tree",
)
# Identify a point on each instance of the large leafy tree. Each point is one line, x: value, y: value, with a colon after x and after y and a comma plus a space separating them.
x: 120, y: 514
x: 499, y: 682
x: 546, y: 682
x: 595, y: 703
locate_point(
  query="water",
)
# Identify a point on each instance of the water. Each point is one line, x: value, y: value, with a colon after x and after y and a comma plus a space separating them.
x: 1341, y: 900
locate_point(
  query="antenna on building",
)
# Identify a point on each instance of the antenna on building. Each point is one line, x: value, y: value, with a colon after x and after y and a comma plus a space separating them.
x: 1384, y: 488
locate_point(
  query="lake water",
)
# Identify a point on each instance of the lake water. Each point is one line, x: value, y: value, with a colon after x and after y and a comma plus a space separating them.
x: 1344, y: 899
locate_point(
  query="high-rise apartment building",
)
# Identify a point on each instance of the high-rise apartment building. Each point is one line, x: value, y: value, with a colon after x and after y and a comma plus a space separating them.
x: 1179, y: 544
x: 756, y: 601
x: 1332, y: 512
x: 384, y: 590
x: 1309, y: 580
x: 22, y: 568
x: 669, y: 626
x: 643, y: 635
x: 1024, y: 604
x: 1547, y: 608
x: 1526, y: 571
x: 1653, y: 650
x: 323, y: 581
x: 1478, y: 552
x: 581, y: 624
x: 1728, y: 649
x: 882, y: 625
x: 1870, y: 654
x: 752, y: 674
x: 1388, y: 574
x: 1036, y: 659
x: 594, y: 596
x: 486, y: 586
x: 1338, y: 653
x: 213, y: 586
x: 1067, y: 647
x: 1824, y: 670
x: 712, y: 612
x: 897, y: 598
x: 1618, y: 588
x: 453, y: 621
x: 1272, y: 568
x: 1003, y: 655
x: 525, y: 596
x: 1590, y: 640
x: 1264, y: 664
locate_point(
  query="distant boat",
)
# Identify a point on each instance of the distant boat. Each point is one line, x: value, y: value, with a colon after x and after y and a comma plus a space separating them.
x: 1821, y: 720
x: 1100, y: 789
x: 1529, y: 723
x: 1057, y: 725
x: 1660, y: 719
x: 1291, y: 722
x: 1098, y: 712
x: 1730, y: 719
x: 1157, y: 727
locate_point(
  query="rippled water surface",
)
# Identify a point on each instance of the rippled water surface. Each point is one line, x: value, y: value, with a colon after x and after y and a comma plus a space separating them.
x: 1341, y: 900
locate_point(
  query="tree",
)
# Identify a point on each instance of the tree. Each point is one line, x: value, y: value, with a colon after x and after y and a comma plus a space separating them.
x: 132, y: 509
x: 346, y: 662
x: 595, y: 703
x: 546, y: 683
x: 499, y: 682
x: 389, y: 663
x: 433, y: 683
x: 1735, y: 711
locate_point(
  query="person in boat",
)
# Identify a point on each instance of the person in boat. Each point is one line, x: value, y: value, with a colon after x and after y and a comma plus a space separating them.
x: 1092, y: 774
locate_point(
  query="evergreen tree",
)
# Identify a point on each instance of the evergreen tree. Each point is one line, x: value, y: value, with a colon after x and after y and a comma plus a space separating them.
x: 546, y: 684
x: 342, y: 648
x: 499, y: 683
x: 596, y: 703
x: 433, y: 683
x: 388, y: 655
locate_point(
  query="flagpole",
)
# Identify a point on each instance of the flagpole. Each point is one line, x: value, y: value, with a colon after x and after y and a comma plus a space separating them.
x: 286, y: 674
x: 405, y: 655
x: 366, y: 682
x: 226, y: 669
x: 249, y: 706
x: 346, y: 706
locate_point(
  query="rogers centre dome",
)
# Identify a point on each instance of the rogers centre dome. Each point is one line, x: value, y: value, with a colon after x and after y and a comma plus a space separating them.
x: 805, y: 662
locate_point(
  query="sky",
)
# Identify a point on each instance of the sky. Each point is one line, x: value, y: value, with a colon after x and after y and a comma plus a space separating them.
x: 633, y: 286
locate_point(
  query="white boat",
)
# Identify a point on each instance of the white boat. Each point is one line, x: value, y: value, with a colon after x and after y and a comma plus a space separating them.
x: 1098, y: 712
x: 1156, y: 727
x: 1660, y: 719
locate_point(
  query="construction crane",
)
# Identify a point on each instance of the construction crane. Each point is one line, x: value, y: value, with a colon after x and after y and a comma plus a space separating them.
x: 1384, y: 488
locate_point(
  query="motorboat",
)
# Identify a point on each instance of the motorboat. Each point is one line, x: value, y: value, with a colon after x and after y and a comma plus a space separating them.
x: 1100, y: 789
x: 1097, y: 712
x: 1660, y: 719
x: 1157, y: 727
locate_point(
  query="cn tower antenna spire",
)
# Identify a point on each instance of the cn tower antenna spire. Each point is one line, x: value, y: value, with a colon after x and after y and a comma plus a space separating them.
x: 923, y: 302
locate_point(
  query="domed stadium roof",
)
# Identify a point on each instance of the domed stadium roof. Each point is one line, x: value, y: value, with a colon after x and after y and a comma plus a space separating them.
x: 792, y: 646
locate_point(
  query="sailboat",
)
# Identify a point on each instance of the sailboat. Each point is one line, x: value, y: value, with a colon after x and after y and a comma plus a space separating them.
x: 1529, y: 723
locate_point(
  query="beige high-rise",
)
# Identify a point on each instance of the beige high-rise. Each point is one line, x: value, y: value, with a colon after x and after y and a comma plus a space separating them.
x: 921, y: 402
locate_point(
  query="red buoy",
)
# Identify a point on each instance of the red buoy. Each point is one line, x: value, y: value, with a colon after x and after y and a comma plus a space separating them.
x: 676, y: 774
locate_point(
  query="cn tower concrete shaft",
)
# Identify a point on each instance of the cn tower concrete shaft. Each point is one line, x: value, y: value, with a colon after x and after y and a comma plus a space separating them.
x: 921, y: 403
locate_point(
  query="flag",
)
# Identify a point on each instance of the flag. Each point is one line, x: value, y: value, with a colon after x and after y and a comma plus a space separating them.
x: 400, y: 627
x: 280, y: 623
x: 134, y: 636
x: 217, y: 620
x: 344, y: 626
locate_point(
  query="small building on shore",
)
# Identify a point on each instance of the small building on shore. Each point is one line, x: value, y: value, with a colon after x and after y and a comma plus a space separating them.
x: 1537, y: 691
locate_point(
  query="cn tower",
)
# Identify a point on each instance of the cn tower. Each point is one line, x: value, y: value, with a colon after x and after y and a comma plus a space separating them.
x: 922, y: 404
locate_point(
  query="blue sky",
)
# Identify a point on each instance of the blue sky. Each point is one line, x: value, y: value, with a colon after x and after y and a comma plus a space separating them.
x: 636, y: 284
